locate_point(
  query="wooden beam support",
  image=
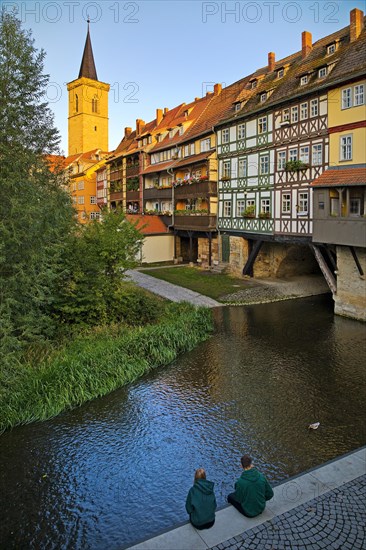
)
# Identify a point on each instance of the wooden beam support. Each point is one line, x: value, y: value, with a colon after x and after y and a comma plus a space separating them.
x: 357, y: 262
x: 254, y: 251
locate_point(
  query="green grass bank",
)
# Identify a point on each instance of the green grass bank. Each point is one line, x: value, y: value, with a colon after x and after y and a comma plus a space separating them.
x: 94, y: 365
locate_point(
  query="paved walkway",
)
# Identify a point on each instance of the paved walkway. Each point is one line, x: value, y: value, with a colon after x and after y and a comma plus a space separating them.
x: 171, y: 292
x: 324, y: 508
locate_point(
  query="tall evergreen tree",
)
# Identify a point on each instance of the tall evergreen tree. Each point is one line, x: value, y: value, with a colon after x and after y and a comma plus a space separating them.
x: 36, y: 216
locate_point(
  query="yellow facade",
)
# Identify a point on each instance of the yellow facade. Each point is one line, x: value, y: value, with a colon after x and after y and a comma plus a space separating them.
x: 346, y: 119
x: 83, y: 188
x: 88, y: 115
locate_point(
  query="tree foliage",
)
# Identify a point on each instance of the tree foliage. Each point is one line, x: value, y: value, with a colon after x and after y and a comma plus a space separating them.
x: 51, y: 269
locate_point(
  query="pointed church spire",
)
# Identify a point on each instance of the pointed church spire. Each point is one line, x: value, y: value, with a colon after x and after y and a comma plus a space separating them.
x: 87, y: 67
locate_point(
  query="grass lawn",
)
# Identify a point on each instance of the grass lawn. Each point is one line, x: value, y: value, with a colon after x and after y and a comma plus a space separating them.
x: 209, y: 284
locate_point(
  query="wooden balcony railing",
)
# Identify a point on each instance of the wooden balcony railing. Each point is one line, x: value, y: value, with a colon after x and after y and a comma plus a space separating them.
x: 195, y: 222
x: 132, y: 195
x: 158, y: 193
x: 196, y: 190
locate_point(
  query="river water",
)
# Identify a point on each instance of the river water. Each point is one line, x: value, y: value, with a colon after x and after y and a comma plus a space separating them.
x: 118, y: 469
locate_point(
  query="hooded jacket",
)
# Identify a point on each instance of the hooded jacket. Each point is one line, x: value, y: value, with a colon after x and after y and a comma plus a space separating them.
x: 201, y: 502
x: 252, y: 490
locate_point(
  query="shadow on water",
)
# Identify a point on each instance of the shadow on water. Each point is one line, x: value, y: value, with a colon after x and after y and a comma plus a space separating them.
x: 118, y: 469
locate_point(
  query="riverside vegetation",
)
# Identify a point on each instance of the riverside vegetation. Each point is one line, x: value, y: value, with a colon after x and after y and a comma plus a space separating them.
x: 71, y: 328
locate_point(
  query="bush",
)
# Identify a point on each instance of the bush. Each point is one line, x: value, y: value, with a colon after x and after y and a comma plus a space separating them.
x: 134, y: 306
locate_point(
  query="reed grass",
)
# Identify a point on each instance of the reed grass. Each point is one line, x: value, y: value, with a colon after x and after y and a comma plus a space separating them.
x: 95, y: 364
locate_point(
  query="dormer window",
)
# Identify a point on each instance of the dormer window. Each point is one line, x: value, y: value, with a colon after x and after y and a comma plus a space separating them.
x: 285, y: 115
x: 253, y: 84
x: 331, y: 48
x: 323, y: 71
x: 304, y: 80
x: 280, y: 72
x: 263, y: 97
x: 181, y: 130
x: 149, y: 139
x: 171, y: 133
x: 237, y: 107
x: 158, y: 138
x: 139, y: 143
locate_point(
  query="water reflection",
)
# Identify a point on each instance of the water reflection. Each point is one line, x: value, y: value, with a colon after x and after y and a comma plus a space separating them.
x: 118, y: 469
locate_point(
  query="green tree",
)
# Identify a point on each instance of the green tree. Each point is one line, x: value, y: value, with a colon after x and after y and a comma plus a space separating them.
x: 36, y: 216
x: 99, y: 255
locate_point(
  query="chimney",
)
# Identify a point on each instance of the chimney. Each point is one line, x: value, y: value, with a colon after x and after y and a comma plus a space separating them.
x: 217, y: 89
x: 197, y: 98
x: 127, y: 131
x: 356, y: 24
x: 271, y: 61
x: 139, y: 125
x: 159, y: 115
x: 165, y: 110
x: 307, y: 44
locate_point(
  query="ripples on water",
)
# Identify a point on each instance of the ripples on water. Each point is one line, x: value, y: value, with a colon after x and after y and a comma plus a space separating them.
x: 118, y: 469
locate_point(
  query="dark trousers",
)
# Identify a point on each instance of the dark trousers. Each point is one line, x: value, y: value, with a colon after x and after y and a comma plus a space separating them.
x: 231, y: 500
x: 204, y: 526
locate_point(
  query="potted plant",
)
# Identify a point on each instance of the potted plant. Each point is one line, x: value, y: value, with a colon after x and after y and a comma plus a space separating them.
x: 249, y: 212
x: 295, y: 166
x: 225, y: 178
x: 265, y: 215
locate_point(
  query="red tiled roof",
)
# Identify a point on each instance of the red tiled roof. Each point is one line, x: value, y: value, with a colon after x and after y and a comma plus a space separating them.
x: 55, y: 162
x: 158, y: 167
x: 337, y: 176
x: 148, y: 225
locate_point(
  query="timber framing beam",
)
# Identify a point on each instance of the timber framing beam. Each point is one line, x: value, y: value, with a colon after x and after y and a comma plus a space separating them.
x: 357, y: 261
x: 253, y: 253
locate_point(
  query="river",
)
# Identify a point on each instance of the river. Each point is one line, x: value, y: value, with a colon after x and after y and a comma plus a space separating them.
x: 118, y: 469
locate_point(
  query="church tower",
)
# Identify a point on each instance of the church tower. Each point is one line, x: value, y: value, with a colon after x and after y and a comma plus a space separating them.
x: 88, y: 107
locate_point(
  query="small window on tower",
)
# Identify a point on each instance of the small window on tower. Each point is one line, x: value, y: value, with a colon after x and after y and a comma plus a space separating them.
x: 95, y: 128
x: 94, y: 105
x: 77, y: 103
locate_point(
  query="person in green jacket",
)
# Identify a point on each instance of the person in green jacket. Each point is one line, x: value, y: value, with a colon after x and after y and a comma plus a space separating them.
x: 251, y: 490
x: 201, y: 501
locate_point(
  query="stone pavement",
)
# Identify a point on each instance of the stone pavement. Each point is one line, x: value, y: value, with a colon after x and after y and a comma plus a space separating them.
x: 335, y: 520
x: 324, y: 508
x: 168, y: 290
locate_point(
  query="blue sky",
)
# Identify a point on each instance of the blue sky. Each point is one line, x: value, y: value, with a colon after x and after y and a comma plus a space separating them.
x: 158, y: 54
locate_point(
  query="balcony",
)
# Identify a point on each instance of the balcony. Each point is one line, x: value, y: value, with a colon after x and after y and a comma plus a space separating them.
x: 116, y: 196
x: 132, y: 195
x: 196, y: 190
x: 158, y: 193
x: 195, y: 222
x: 132, y: 170
x: 116, y: 175
x: 346, y: 231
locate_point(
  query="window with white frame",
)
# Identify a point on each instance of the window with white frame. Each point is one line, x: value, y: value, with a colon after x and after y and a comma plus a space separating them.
x: 149, y: 139
x: 346, y: 147
x: 285, y: 115
x: 227, y: 209
x: 303, y: 205
x: 314, y: 107
x: 181, y: 130
x: 242, y: 168
x: 280, y: 73
x: 94, y: 215
x: 331, y: 49
x: 304, y: 80
x: 266, y: 206
x: 237, y: 106
x: 93, y: 200
x: 241, y: 131
x: 240, y: 207
x: 144, y: 141
x: 281, y: 160
x: 205, y: 145
x: 74, y: 186
x: 305, y: 154
x: 250, y: 203
x: 80, y: 185
x: 81, y: 199
x: 322, y: 72
x: 74, y: 199
x: 359, y: 95
x: 225, y: 135
x: 253, y: 84
x: 263, y: 97
x: 294, y: 114
x: 262, y: 125
x: 304, y: 111
x: 317, y: 154
x: 226, y: 169
x: 292, y: 155
x: 264, y: 164
x: 346, y: 98
x: 286, y: 203
x: 189, y: 150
